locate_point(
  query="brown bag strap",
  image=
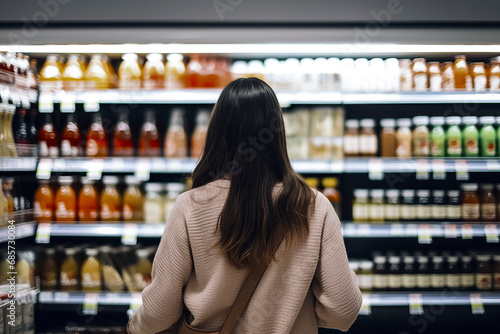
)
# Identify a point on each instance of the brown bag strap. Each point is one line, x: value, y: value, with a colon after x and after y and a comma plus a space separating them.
x: 248, y: 288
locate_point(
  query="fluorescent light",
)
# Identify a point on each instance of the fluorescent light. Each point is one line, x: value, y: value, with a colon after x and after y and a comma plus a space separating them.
x: 277, y: 49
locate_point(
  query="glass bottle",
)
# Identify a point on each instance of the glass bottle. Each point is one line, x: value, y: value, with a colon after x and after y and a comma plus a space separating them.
x: 453, y: 206
x: 153, y: 74
x: 479, y: 79
x: 448, y: 76
x: 470, y: 136
x: 392, y: 207
x: 452, y: 276
x: 438, y: 207
x: 110, y: 71
x: 149, y: 141
x: 129, y: 72
x: 21, y: 136
x: 376, y: 206
x: 419, y: 75
x: 351, y: 138
x: 470, y: 203
x: 90, y: 274
x: 461, y: 72
x: 409, y: 277
x: 193, y: 72
x: 97, y: 75
x: 87, y: 202
x: 71, y: 138
x: 176, y: 139
x: 123, y: 146
x: 110, y: 200
x: 360, y: 206
x: 175, y: 72
x: 367, y: 138
x: 437, y: 137
x: 487, y: 136
x: 200, y: 133
x: 404, y: 138
x: 44, y: 202
x: 488, y: 203
x: 73, y: 73
x: 153, y: 203
x: 97, y: 139
x: 467, y: 279
x: 69, y: 272
x: 394, y: 281
x: 496, y: 272
x: 6, y: 186
x: 423, y: 205
x: 421, y: 136
x: 435, y: 79
x: 453, y: 137
x: 133, y: 206
x: 6, y: 133
x: 484, y: 273
x: 365, y: 276
x: 47, y: 139
x: 331, y: 193
x: 65, y: 201
x: 388, y: 137
x: 406, y: 75
x: 49, y: 273
x: 423, y: 273
x: 33, y: 75
x: 50, y: 75
x: 494, y: 75
x: 33, y: 133
x: 380, y: 274
x: 437, y: 273
x: 408, y: 210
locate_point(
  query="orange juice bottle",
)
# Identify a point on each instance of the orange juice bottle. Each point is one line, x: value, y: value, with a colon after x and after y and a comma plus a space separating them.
x: 193, y: 72
x: 110, y: 200
x: 175, y: 71
x: 211, y: 78
x: 200, y: 133
x: 176, y: 138
x: 97, y: 74
x: 65, y: 201
x: 91, y: 276
x: 132, y: 200
x: 461, y: 72
x: 44, y: 202
x: 97, y: 139
x: 69, y: 271
x: 113, y: 78
x: 129, y: 72
x: 50, y: 74
x: 87, y: 202
x: 153, y: 75
x: 72, y: 76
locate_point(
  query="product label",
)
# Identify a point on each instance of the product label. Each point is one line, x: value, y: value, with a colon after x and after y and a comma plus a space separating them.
x: 351, y: 144
x: 380, y: 281
x: 43, y: 149
x: 376, y: 212
x: 423, y: 212
x: 489, y: 147
x: 360, y: 212
x: 129, y: 84
x: 437, y: 147
x: 92, y: 147
x: 53, y: 151
x: 392, y: 212
x: 435, y: 82
x: 394, y: 281
x: 484, y: 281
x: 408, y: 211
x: 467, y: 280
x: 128, y: 211
x: 454, y: 146
x: 62, y: 212
x: 470, y: 211
x: 423, y: 281
x: 488, y: 211
x: 66, y: 281
x: 471, y: 145
x: 91, y: 280
x: 365, y: 281
x: 437, y: 280
x: 421, y: 146
x: 403, y: 148
x: 496, y: 281
x: 480, y: 83
x: 409, y: 281
x: 65, y: 148
x: 452, y: 280
x: 453, y: 212
x: 368, y: 144
x: 438, y: 211
x: 420, y: 82
x: 85, y: 214
x: 107, y: 212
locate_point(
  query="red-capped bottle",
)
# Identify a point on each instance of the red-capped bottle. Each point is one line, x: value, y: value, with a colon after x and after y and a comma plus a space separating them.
x: 97, y: 139
x: 47, y: 139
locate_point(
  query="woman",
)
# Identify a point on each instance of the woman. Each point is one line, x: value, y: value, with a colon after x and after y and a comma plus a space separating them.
x: 244, y: 189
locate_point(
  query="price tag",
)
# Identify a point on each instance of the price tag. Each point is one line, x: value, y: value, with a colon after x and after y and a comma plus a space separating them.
x: 90, y: 302
x: 94, y: 169
x: 45, y: 297
x: 135, y: 301
x: 492, y: 165
x: 416, y: 304
x: 61, y: 297
x: 68, y: 102
x: 450, y: 231
x: 44, y: 169
x: 476, y: 303
x: 462, y: 169
x: 422, y: 169
x: 364, y: 230
x: 375, y: 169
x: 491, y: 233
x: 366, y: 308
x: 59, y: 165
x: 91, y: 103
x: 467, y: 231
x: 129, y: 234
x: 397, y: 230
x: 43, y: 233
x: 439, y: 169
x: 411, y: 230
x: 424, y: 234
x: 46, y: 102
x: 174, y: 165
x: 143, y: 169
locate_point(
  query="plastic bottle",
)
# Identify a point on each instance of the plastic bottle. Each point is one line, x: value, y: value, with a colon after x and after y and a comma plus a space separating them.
x: 453, y: 137
x: 470, y: 203
x: 69, y: 271
x: 487, y: 136
x: 435, y: 79
x: 153, y: 74
x: 332, y: 194
x: 420, y: 136
x: 44, y: 202
x: 110, y: 200
x: 97, y: 74
x: 404, y: 138
x: 437, y: 137
x: 88, y: 202
x: 153, y: 203
x: 470, y: 137
x: 388, y: 137
x: 461, y: 73
x: 129, y: 72
x: 419, y: 75
x: 65, y: 201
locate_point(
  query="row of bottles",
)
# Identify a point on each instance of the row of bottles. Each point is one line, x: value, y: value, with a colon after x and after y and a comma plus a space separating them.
x: 15, y: 202
x: 24, y: 267
x: 393, y: 205
x: 17, y: 70
x: 423, y: 140
x: 88, y: 205
x: 328, y: 187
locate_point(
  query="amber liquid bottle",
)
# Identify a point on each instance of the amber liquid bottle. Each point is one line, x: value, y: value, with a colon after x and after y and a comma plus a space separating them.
x: 71, y: 138
x: 123, y: 145
x: 97, y: 140
x: 149, y: 142
x: 176, y: 138
x: 461, y: 72
x: 47, y: 139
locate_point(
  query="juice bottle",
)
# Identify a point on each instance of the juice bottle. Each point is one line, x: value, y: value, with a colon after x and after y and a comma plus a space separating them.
x: 175, y: 71
x: 4, y: 151
x: 72, y: 75
x: 33, y: 133
x: 149, y: 141
x: 453, y: 137
x: 49, y: 271
x: 176, y: 138
x: 479, y: 79
x: 200, y: 133
x: 193, y: 72
x: 90, y: 273
x: 330, y: 191
x: 21, y: 135
x: 123, y: 145
x: 388, y: 137
x: 153, y: 75
x: 470, y: 203
x: 47, y: 139
x: 404, y: 138
x: 71, y: 138
x: 129, y: 72
x: 3, y: 208
x: 470, y: 136
x: 351, y: 138
x: 33, y: 76
x: 461, y: 72
x: 368, y: 143
x: 25, y: 268
x: 65, y: 201
x: 437, y: 137
x: 211, y: 78
x: 69, y: 271
x: 7, y: 186
x: 488, y: 203
x: 419, y: 74
x: 87, y: 202
x: 143, y: 269
x: 153, y: 203
x: 97, y: 74
x: 487, y: 136
x: 110, y: 200
x: 112, y: 76
x: 435, y: 78
x: 494, y: 74
x: 420, y: 136
x: 132, y: 200
x: 448, y: 76
x: 97, y: 139
x: 406, y: 76
x: 50, y: 74
x: 44, y: 202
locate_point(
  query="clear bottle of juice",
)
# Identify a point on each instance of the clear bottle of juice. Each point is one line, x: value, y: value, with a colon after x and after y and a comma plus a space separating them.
x: 110, y: 200
x: 404, y: 138
x: 453, y: 137
x: 175, y: 72
x: 487, y: 136
x: 200, y: 133
x: 153, y: 204
x: 176, y: 139
x: 69, y: 272
x: 87, y: 202
x: 91, y: 272
x: 419, y: 75
x: 44, y: 202
x: 479, y: 79
x: 435, y: 78
x: 123, y: 146
x: 129, y: 72
x: 437, y: 137
x: 49, y: 271
x: 421, y: 136
x: 97, y: 139
x: 193, y: 72
x: 461, y: 72
x: 71, y: 138
x: 143, y: 270
x: 149, y: 141
x: 494, y: 74
x: 448, y: 76
x: 153, y: 75
x: 133, y: 206
x: 470, y: 136
x: 97, y: 73
x: 47, y: 139
x: 73, y: 74
x: 65, y: 201
x: 50, y: 75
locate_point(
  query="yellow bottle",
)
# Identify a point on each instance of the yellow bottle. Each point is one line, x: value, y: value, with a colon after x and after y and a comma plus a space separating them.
x: 50, y: 74
x: 91, y: 276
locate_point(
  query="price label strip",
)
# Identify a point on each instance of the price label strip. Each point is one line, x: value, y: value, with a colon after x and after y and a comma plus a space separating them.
x: 44, y: 169
x: 467, y: 231
x: 491, y: 233
x: 476, y: 303
x: 61, y: 297
x: 450, y: 231
x: 416, y: 304
x: 366, y: 308
x: 45, y: 297
x: 424, y: 234
x: 492, y: 165
x: 43, y: 233
x: 46, y: 102
x: 422, y: 169
x: 94, y: 169
x: 462, y: 169
x: 375, y: 169
x: 68, y: 102
x: 349, y: 230
x: 91, y: 103
x: 143, y: 169
x: 129, y: 235
x: 90, y: 303
x: 438, y: 170
x: 135, y: 301
x: 364, y: 230
x: 397, y: 230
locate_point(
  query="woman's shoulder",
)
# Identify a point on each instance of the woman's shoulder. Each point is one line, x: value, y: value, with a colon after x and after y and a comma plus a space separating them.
x: 322, y: 206
x: 208, y: 192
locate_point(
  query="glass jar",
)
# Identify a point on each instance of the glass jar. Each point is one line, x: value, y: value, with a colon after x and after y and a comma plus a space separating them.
x: 437, y: 137
x: 376, y: 207
x: 435, y: 79
x: 153, y: 203
x: 452, y: 278
x: 388, y: 137
x: 470, y: 203
x: 423, y: 273
x: 406, y: 75
x: 367, y: 138
x: 438, y: 208
x: 484, y: 273
x: 423, y: 205
x: 453, y: 137
x: 380, y: 274
x: 392, y: 207
x: 487, y: 136
x: 404, y: 138
x: 479, y: 80
x: 351, y: 138
x: 448, y: 76
x: 488, y: 203
x: 409, y: 279
x: 360, y: 206
x: 470, y: 136
x: 421, y: 136
x: 453, y: 206
x: 408, y: 208
x: 467, y: 281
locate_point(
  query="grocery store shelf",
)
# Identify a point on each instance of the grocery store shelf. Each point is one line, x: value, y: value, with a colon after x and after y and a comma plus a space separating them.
x: 79, y: 298
x: 18, y: 164
x: 142, y: 230
x: 420, y: 98
x: 22, y: 230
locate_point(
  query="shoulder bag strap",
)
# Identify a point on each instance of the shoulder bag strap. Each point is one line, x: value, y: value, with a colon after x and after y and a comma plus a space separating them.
x: 248, y: 288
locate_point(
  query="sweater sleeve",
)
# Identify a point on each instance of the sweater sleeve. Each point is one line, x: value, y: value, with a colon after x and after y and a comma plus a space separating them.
x: 338, y: 299
x: 162, y: 300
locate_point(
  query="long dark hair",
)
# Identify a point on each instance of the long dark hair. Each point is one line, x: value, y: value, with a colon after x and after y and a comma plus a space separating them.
x: 246, y: 144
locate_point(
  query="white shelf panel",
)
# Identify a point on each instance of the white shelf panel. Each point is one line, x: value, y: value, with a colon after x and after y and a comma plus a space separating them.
x: 144, y: 230
x: 22, y: 230
x: 420, y: 97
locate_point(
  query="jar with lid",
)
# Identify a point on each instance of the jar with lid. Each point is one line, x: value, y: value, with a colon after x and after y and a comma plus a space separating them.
x: 392, y: 207
x: 380, y: 273
x: 394, y: 280
x: 408, y: 207
x: 496, y: 272
x: 405, y: 75
x: 421, y: 136
x: 437, y: 273
x: 438, y: 207
x: 487, y: 136
x: 448, y: 76
x: 423, y: 273
x: 467, y: 281
x: 488, y: 203
x: 435, y: 79
x: 153, y: 203
x: 367, y: 138
x: 437, y: 137
x: 452, y: 278
x: 470, y: 136
x: 351, y: 138
x: 404, y: 138
x: 360, y: 206
x: 173, y: 190
x: 484, y: 272
x: 365, y: 276
x: 494, y: 74
x: 453, y: 206
x: 423, y: 210
x: 479, y: 80
x: 470, y: 203
x: 388, y: 137
x: 409, y: 279
x: 453, y: 137
x: 461, y: 73
x: 376, y: 207
x: 129, y: 72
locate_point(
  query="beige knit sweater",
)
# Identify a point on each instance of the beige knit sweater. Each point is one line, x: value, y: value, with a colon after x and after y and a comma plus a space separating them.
x: 308, y: 286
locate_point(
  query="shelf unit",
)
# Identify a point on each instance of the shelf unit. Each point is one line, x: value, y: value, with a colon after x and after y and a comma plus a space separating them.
x: 22, y: 230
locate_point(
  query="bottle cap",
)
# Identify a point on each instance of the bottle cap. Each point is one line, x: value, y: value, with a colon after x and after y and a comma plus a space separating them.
x: 105, y: 249
x: 483, y: 258
x: 154, y: 187
x: 91, y: 251
x: 388, y: 122
x: 377, y: 193
x: 408, y: 193
x: 130, y: 57
x: 366, y: 265
x: 110, y: 180
x: 469, y: 186
x: 496, y: 258
x: 437, y: 120
x: 486, y: 186
x: 70, y: 251
x: 466, y: 258
x: 352, y: 124
x: 154, y: 57
x: 367, y: 123
x: 175, y: 57
x: 453, y: 193
x: 487, y: 120
x: 312, y: 181
x: 394, y: 259
x: 423, y: 259
x: 132, y: 180
x: 438, y: 193
x: 423, y: 193
x: 86, y: 181
x: 361, y: 193
x: 453, y: 120
x: 379, y: 259
x: 391, y: 193
x: 437, y: 259
x: 420, y: 120
x: 65, y: 180
x: 469, y: 120
x: 404, y: 122
x: 50, y: 251
x: 409, y: 259
x: 452, y: 259
x: 142, y: 253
